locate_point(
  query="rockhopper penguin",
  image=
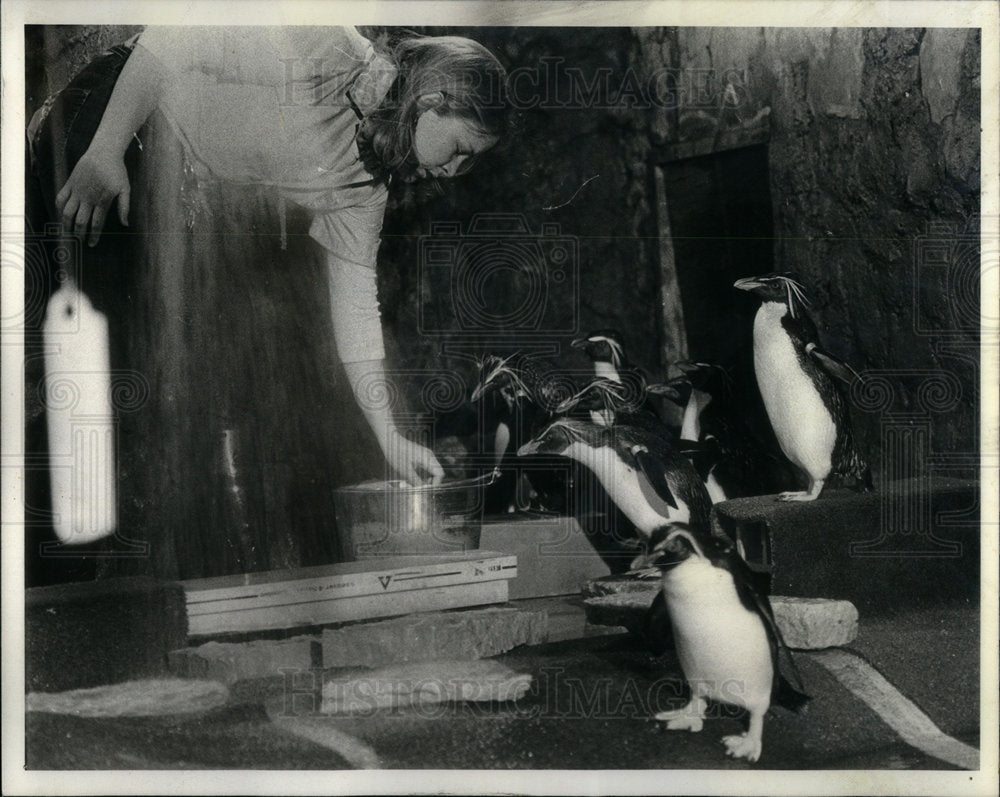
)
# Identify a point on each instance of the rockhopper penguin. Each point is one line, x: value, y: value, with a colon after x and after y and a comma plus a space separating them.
x: 522, y: 394
x: 648, y: 481
x: 724, y: 632
x: 715, y: 435
x: 797, y: 380
x: 604, y: 349
x: 640, y: 470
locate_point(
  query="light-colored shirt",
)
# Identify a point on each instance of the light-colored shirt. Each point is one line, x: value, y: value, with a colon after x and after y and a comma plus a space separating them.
x: 276, y: 106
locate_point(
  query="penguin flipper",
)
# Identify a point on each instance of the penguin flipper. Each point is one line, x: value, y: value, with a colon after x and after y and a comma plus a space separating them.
x: 832, y: 365
x: 653, y: 469
x: 703, y: 454
x: 657, y: 630
x: 748, y: 588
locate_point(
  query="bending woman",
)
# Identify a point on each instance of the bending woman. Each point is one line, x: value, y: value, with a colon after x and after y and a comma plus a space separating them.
x: 192, y: 162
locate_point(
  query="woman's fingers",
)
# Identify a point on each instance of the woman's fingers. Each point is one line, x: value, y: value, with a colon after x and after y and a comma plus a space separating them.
x: 434, y: 468
x: 61, y: 198
x: 82, y: 219
x: 68, y: 214
x: 96, y: 225
x: 123, y: 204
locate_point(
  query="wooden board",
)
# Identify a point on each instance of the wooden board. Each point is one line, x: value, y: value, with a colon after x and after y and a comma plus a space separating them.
x: 346, y: 592
x: 554, y: 556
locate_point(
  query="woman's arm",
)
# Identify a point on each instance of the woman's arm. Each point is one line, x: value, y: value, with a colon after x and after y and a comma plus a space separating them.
x: 357, y: 330
x: 414, y: 462
x: 100, y: 176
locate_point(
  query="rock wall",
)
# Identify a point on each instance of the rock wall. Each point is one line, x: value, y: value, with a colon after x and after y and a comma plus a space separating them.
x: 874, y: 181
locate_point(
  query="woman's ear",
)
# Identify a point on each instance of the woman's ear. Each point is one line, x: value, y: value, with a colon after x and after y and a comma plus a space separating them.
x: 433, y: 99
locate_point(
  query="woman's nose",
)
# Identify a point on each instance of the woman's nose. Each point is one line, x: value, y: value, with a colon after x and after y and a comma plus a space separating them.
x: 454, y: 166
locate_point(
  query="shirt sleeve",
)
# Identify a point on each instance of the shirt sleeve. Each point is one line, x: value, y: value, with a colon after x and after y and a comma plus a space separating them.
x: 351, y: 238
x: 235, y: 55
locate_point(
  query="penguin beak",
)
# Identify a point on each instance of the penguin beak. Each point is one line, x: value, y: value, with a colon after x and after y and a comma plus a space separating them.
x: 671, y: 389
x: 531, y: 447
x: 477, y: 393
x: 579, y: 343
x: 747, y: 284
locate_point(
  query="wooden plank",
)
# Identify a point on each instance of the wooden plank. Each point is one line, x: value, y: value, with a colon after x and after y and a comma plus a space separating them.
x: 348, y: 580
x: 340, y: 609
x: 674, y: 332
x: 365, y: 566
x: 554, y: 556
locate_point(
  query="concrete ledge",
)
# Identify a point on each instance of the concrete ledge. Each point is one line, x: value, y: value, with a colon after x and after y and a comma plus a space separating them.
x: 229, y: 662
x: 423, y: 683
x: 461, y: 635
x: 101, y: 632
x: 915, y: 540
x: 805, y: 623
x: 554, y: 555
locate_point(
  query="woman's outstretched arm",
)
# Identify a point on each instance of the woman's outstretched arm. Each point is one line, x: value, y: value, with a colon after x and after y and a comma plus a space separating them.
x: 100, y: 175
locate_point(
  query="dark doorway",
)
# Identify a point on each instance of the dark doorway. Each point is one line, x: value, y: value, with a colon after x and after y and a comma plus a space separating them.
x: 719, y: 208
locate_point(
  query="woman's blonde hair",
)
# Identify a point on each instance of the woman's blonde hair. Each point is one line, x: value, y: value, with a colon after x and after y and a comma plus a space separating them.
x: 470, y: 80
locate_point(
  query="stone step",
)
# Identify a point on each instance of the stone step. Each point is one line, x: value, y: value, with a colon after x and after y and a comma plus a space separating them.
x: 915, y: 540
x: 229, y: 662
x: 423, y: 683
x: 805, y: 623
x: 88, y: 634
x: 458, y: 635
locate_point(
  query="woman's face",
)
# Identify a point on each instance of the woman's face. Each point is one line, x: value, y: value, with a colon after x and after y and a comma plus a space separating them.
x: 443, y: 142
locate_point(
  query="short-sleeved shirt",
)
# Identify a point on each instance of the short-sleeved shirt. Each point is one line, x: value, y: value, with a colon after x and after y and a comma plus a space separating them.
x: 280, y: 106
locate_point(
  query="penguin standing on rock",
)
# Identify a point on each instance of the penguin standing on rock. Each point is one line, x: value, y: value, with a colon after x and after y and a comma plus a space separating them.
x: 798, y: 383
x: 727, y: 641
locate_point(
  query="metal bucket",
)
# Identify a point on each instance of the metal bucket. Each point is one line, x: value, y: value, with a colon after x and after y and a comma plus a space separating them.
x: 394, y: 519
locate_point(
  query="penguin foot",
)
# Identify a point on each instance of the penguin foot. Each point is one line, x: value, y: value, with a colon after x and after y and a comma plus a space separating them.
x: 680, y: 720
x: 815, y: 488
x: 799, y: 495
x: 742, y: 746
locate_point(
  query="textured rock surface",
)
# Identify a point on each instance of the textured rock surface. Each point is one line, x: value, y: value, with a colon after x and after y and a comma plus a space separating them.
x: 229, y: 662
x: 144, y: 698
x: 429, y: 682
x: 811, y: 623
x: 427, y: 637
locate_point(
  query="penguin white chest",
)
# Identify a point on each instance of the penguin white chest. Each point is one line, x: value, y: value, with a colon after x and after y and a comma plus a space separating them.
x: 803, y: 425
x: 629, y: 489
x: 722, y: 646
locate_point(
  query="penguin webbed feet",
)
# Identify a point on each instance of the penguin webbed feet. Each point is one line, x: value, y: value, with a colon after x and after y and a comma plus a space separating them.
x: 815, y: 488
x: 689, y: 718
x: 743, y: 745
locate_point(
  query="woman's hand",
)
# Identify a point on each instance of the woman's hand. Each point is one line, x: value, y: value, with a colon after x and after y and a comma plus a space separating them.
x: 413, y: 462
x: 99, y: 177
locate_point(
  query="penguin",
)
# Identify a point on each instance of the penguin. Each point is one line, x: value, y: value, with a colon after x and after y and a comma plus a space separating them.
x: 604, y: 400
x: 607, y: 356
x: 640, y: 470
x: 798, y: 382
x: 604, y: 348
x: 730, y: 458
x: 647, y: 480
x: 523, y: 393
x: 729, y: 647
